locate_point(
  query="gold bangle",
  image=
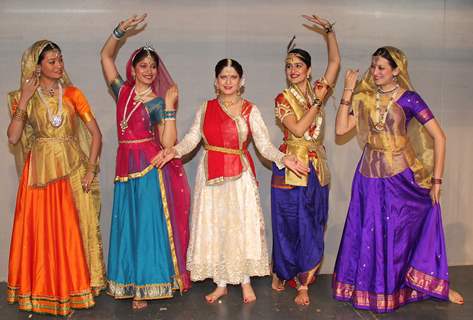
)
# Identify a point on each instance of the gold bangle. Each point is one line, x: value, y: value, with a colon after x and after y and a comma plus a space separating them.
x: 349, y: 89
x: 92, y: 167
x: 20, y: 115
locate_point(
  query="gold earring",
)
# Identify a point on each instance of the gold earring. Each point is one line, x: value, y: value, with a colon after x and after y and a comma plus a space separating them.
x: 238, y: 91
x: 217, y: 90
x: 37, y: 71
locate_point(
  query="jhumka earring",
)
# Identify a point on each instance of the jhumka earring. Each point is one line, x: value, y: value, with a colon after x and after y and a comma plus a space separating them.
x: 238, y: 91
x: 217, y: 90
x: 37, y: 71
x: 395, y: 78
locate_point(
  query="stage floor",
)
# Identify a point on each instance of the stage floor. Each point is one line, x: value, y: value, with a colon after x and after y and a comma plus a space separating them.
x: 269, y: 305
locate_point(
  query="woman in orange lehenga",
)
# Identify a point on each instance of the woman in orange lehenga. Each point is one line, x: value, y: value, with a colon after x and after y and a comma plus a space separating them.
x: 56, y: 258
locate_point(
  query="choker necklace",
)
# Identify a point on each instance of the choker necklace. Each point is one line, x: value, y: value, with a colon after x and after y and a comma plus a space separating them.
x: 383, y: 113
x: 50, y: 91
x: 137, y: 100
x: 54, y: 119
x: 228, y: 104
x: 380, y: 90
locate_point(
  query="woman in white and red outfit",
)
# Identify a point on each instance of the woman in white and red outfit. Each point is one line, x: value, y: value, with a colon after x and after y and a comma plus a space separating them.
x: 227, y: 241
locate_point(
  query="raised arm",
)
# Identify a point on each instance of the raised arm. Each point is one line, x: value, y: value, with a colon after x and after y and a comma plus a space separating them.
x: 345, y: 121
x: 333, y: 65
x: 108, y: 52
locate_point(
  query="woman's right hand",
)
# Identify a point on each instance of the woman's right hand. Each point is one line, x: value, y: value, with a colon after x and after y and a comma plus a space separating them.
x: 28, y: 88
x: 320, y: 90
x: 163, y: 157
x: 351, y: 76
x: 132, y: 22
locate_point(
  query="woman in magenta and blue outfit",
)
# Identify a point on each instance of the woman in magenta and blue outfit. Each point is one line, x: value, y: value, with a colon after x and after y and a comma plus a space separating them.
x: 149, y: 230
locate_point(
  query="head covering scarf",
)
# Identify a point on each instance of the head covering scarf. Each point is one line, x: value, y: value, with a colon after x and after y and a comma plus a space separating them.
x: 29, y: 62
x: 365, y: 98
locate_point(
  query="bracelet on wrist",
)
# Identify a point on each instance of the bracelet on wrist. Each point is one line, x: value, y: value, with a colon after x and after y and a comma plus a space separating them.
x: 169, y: 115
x: 118, y: 33
x: 93, y: 167
x: 349, y: 89
x: 436, y: 180
x: 317, y: 102
x: 20, y: 115
x: 344, y: 102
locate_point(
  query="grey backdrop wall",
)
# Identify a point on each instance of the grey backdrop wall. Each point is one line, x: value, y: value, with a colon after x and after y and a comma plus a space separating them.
x: 192, y: 35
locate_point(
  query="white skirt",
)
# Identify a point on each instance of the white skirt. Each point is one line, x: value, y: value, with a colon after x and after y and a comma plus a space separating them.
x: 227, y: 240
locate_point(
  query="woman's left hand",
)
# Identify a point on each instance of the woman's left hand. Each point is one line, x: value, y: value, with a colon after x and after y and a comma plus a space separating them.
x: 87, y: 181
x: 170, y: 100
x: 435, y: 193
x: 295, y: 165
x: 317, y: 22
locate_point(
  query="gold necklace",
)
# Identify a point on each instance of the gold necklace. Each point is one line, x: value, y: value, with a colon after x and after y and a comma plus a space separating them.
x: 228, y: 104
x: 382, y: 114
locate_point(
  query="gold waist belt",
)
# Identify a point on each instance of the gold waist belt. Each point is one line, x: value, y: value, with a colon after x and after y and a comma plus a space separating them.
x: 208, y: 147
x: 385, y: 149
x: 303, y: 143
x: 55, y: 139
x: 136, y: 141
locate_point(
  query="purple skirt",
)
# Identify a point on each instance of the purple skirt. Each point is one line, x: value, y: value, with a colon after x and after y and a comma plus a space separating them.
x: 298, y: 216
x: 392, y: 250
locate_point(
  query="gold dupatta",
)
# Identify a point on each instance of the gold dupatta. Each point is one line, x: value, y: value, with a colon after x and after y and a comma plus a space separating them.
x: 419, y: 144
x: 21, y: 150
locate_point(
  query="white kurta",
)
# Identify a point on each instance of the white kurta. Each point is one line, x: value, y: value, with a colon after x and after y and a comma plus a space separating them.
x: 227, y: 240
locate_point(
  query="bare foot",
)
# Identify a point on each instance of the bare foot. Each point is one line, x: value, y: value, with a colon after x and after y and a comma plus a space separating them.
x: 216, y: 294
x: 277, y: 284
x: 302, y: 297
x: 248, y: 293
x: 139, y: 304
x: 455, y: 297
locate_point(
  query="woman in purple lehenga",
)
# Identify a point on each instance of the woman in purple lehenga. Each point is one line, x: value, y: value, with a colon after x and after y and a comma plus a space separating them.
x: 392, y: 250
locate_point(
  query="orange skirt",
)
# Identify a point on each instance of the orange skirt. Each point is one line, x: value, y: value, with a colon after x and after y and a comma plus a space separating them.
x: 48, y: 270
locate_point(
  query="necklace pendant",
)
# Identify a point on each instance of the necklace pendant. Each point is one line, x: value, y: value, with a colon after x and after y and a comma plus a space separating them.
x: 379, y: 126
x: 56, y: 120
x: 123, y: 125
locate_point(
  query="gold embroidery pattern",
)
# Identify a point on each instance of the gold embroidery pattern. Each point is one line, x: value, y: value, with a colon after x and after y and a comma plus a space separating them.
x: 170, y: 233
x: 142, y: 292
x: 50, y: 305
x: 135, y: 175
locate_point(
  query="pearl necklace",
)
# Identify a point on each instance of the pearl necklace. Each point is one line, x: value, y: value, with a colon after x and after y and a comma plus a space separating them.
x: 381, y: 114
x: 138, y: 99
x: 54, y: 119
